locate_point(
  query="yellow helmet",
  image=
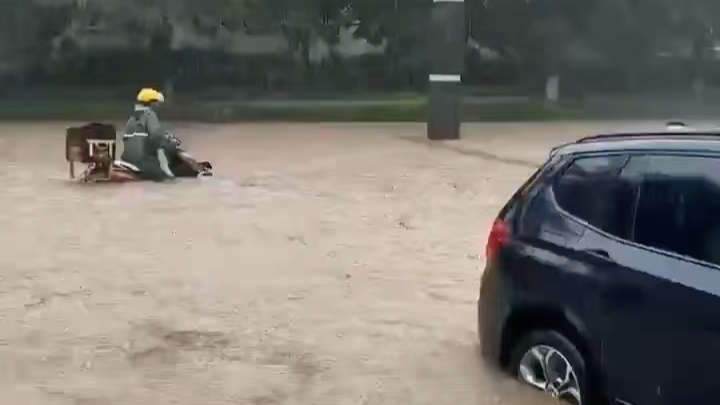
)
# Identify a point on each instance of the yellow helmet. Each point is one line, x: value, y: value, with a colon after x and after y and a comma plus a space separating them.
x: 150, y: 95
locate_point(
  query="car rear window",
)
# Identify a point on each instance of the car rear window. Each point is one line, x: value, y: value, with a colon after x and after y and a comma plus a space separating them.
x: 591, y: 190
x: 526, y: 187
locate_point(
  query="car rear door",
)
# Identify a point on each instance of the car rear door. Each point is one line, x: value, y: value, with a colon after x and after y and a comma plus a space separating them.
x: 676, y: 240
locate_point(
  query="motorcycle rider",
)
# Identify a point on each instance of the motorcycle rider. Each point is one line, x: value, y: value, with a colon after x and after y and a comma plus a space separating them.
x: 145, y: 140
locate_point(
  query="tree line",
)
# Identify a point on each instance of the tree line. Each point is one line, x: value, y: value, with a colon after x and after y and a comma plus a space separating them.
x: 528, y: 41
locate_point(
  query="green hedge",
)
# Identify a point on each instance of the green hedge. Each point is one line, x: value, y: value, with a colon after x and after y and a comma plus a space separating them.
x: 414, y: 110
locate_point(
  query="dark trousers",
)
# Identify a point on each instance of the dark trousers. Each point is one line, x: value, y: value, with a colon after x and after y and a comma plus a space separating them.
x: 150, y: 170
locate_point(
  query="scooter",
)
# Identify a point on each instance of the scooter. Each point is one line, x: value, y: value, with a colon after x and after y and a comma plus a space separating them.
x: 95, y: 146
x: 180, y: 165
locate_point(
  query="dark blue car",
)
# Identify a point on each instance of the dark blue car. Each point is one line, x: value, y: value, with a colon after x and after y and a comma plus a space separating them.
x: 602, y: 281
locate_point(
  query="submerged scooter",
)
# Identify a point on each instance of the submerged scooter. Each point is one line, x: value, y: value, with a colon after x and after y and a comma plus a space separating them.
x: 178, y: 163
x: 94, y: 145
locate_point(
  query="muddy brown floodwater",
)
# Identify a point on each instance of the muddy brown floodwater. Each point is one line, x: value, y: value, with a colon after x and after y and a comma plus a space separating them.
x: 324, y: 264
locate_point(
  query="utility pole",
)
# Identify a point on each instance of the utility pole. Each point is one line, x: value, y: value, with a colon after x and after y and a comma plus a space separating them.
x: 447, y: 61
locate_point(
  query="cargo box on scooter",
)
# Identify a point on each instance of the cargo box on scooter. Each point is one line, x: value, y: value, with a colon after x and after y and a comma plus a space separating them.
x: 80, y: 141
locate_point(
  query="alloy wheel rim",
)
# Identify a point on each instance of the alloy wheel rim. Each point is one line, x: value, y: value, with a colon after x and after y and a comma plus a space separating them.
x: 546, y: 369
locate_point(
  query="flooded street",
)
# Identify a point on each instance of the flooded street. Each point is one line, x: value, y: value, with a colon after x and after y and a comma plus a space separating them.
x: 324, y: 264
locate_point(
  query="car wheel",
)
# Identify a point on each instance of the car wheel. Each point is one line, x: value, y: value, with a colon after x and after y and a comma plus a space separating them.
x: 548, y: 361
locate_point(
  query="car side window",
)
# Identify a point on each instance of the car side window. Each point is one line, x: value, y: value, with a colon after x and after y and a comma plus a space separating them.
x: 678, y: 204
x: 591, y: 190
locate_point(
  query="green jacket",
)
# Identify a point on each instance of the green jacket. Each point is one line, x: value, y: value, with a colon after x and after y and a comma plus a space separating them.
x: 143, y: 137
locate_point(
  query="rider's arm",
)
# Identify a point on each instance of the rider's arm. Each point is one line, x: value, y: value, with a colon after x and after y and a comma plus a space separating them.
x: 155, y: 132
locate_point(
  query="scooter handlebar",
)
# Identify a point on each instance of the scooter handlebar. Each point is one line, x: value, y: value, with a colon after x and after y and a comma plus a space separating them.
x: 174, y: 139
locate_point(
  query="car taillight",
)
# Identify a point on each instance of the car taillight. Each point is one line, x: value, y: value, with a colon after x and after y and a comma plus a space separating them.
x: 499, y: 235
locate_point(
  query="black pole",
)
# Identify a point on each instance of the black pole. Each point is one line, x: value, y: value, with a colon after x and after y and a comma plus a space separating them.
x: 447, y: 61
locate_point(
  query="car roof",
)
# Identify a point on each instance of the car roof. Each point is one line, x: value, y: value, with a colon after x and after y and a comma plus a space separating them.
x: 676, y: 137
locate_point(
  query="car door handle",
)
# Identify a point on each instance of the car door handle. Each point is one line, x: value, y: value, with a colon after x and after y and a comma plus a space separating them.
x: 598, y: 252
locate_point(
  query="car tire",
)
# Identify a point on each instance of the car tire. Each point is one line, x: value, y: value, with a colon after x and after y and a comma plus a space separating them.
x: 543, y: 342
